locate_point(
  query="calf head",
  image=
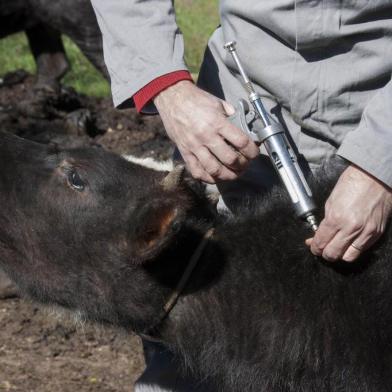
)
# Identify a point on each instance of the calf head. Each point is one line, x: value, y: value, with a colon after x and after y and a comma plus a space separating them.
x: 94, y: 233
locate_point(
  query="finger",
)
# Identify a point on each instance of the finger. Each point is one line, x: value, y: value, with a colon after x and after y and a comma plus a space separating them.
x: 227, y: 155
x: 338, y: 245
x: 239, y: 141
x: 228, y: 108
x: 212, y: 165
x: 308, y: 241
x: 196, y: 169
x: 364, y: 241
x: 323, y: 236
x: 351, y: 254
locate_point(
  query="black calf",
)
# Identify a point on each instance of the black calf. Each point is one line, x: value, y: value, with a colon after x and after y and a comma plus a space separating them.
x: 88, y: 231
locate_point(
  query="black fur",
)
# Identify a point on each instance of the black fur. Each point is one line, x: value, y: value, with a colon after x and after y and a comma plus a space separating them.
x: 260, y: 312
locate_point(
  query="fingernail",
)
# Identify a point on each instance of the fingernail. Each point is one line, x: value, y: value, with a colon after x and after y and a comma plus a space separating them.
x: 350, y: 256
x: 329, y: 259
x: 349, y: 259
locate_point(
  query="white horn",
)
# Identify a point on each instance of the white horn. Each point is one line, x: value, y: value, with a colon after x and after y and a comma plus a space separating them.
x: 174, y: 178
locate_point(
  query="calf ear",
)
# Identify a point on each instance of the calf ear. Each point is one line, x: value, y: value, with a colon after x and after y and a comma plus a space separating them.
x: 158, y: 219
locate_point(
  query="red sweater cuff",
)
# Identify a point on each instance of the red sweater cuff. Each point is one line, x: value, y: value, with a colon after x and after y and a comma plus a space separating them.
x: 150, y: 90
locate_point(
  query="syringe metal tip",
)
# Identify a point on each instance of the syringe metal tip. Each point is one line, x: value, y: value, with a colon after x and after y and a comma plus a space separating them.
x: 230, y: 46
x: 312, y: 222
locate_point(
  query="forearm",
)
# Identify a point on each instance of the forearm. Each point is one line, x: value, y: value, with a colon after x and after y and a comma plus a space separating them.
x: 141, y: 42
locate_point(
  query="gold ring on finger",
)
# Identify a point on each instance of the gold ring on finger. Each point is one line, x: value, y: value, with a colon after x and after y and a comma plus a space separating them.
x: 357, y: 247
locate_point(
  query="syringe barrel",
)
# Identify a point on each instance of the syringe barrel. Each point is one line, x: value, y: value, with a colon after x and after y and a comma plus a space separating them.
x: 285, y: 162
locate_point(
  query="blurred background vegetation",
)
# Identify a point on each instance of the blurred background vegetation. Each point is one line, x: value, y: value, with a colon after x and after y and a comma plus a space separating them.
x: 196, y: 18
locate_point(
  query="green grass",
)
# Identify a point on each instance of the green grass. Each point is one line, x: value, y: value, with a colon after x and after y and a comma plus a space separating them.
x: 84, y: 77
x: 15, y: 54
x: 196, y: 18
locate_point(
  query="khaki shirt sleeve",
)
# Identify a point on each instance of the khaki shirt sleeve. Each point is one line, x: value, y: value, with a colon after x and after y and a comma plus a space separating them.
x: 141, y: 42
x: 369, y: 146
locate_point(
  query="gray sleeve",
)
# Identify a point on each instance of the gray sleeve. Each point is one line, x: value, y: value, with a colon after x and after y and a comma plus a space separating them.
x: 370, y: 145
x: 141, y: 42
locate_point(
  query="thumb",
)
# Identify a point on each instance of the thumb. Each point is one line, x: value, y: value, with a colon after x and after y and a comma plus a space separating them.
x: 228, y: 108
x: 309, y: 241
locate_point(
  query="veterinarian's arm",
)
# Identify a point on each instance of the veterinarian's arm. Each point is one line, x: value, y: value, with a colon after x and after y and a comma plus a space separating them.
x: 141, y: 42
x: 144, y: 52
x: 361, y: 203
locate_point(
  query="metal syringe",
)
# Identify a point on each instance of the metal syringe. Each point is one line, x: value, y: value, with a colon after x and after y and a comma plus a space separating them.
x: 282, y: 155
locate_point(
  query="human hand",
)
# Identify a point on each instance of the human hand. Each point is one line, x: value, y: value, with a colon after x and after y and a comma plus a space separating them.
x: 356, y: 214
x: 212, y: 148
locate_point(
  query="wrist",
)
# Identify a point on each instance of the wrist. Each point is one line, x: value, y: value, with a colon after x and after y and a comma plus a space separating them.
x: 172, y: 93
x: 144, y: 97
x: 359, y: 173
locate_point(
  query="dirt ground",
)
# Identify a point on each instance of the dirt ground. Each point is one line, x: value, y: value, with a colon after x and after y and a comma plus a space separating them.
x: 38, y: 350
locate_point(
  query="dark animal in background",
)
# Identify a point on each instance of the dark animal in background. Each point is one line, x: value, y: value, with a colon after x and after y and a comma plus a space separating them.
x: 91, y: 232
x: 43, y: 22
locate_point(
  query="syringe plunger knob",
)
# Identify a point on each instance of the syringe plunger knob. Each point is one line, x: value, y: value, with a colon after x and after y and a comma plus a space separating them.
x: 230, y: 46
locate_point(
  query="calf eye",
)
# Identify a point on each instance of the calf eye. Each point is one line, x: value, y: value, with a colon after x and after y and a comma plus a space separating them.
x: 75, y: 181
